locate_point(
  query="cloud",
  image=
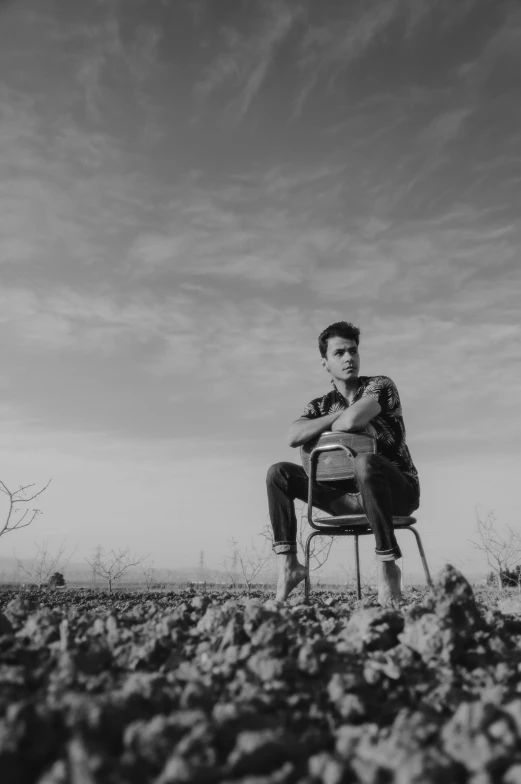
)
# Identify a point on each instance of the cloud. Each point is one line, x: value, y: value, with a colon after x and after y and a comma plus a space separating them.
x: 347, y: 33
x: 246, y: 58
x: 445, y: 127
x: 236, y: 231
x: 427, y: 266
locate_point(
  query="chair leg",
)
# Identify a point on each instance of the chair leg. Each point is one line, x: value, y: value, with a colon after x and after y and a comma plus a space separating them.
x: 357, y: 565
x: 422, y: 555
x: 307, y: 551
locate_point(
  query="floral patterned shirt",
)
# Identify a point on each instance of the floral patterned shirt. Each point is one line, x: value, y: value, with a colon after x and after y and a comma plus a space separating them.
x: 388, y: 425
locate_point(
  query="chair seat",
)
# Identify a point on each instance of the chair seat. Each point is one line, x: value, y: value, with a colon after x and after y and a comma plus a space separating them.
x: 359, y: 522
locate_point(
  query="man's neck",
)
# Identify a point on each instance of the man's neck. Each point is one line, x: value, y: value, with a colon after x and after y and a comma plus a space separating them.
x: 347, y: 388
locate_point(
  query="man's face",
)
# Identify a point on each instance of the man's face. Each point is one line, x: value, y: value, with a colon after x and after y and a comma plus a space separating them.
x: 342, y: 359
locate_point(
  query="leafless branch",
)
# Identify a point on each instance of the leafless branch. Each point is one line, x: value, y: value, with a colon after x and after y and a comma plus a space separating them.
x: 19, y: 497
x: 45, y: 563
x: 149, y: 574
x: 320, y: 546
x: 501, y: 553
x: 249, y: 562
x: 113, y: 565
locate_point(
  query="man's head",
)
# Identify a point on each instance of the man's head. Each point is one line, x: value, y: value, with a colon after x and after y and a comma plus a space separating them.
x: 338, y: 346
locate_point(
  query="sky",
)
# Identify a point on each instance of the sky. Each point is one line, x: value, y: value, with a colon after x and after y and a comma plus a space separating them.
x: 190, y: 191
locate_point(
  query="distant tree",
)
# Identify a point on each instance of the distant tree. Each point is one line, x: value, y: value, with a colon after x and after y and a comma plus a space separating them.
x: 44, y: 563
x: 511, y: 578
x: 149, y: 574
x: 15, y: 519
x: 113, y: 564
x: 246, y: 564
x: 502, y: 552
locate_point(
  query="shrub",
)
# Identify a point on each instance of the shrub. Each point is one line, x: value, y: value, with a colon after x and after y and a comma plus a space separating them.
x: 56, y: 580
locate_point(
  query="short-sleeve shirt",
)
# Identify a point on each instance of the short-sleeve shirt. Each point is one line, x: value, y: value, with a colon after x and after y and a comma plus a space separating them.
x: 388, y: 425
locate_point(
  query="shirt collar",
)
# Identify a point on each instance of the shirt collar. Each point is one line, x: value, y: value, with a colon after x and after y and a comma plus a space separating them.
x: 341, y: 395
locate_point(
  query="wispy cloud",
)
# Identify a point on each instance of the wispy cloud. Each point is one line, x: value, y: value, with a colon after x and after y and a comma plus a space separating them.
x: 238, y: 230
x: 445, y: 127
x: 246, y: 56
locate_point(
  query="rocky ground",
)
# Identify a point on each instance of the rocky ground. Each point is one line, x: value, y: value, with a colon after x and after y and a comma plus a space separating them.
x: 204, y: 688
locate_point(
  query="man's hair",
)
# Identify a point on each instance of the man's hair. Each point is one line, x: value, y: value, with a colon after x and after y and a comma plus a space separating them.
x: 340, y: 329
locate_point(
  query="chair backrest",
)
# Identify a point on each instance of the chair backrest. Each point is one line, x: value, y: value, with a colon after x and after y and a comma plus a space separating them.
x: 333, y: 462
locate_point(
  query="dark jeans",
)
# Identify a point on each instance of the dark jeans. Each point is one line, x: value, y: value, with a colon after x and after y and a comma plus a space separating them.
x: 379, y: 490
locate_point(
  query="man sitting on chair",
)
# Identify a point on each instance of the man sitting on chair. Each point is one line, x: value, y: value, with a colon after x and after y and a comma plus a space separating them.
x: 384, y: 484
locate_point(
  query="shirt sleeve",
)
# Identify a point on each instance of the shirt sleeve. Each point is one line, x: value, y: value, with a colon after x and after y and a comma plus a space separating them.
x: 384, y: 391
x: 311, y: 411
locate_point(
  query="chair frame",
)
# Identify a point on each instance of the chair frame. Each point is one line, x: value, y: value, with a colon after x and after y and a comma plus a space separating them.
x: 349, y: 525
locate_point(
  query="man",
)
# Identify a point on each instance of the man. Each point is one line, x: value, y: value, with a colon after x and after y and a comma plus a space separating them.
x: 384, y: 484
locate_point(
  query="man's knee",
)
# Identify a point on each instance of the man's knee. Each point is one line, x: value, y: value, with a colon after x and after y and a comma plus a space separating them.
x: 275, y: 473
x: 365, y: 466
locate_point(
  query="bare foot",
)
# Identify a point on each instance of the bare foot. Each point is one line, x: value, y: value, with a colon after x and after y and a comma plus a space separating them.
x: 389, y: 583
x: 290, y: 575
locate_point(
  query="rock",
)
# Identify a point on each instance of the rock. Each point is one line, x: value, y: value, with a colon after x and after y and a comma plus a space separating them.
x: 431, y: 638
x: 372, y: 629
x: 514, y: 711
x: 94, y: 659
x: 198, y: 746
x: 282, y: 775
x: 234, y: 633
x: 152, y: 741
x: 261, y: 751
x: 216, y: 618
x: 408, y: 753
x: 199, y: 602
x: 348, y: 737
x: 327, y: 768
x: 266, y: 667
x: 42, y: 627
x: 379, y: 666
x: 6, y: 627
x: 57, y: 774
x: 480, y: 736
x: 256, y: 613
x: 19, y: 608
x: 83, y: 765
x: 454, y: 601
x: 513, y: 774
x: 510, y: 606
x: 271, y: 633
x: 312, y: 656
x: 350, y: 706
x: 178, y: 771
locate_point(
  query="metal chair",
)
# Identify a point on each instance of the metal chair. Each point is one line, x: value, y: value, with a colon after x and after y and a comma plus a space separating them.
x: 348, y: 525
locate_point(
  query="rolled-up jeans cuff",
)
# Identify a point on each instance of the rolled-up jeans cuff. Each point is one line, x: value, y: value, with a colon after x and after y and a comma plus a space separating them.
x: 388, y: 555
x: 281, y: 548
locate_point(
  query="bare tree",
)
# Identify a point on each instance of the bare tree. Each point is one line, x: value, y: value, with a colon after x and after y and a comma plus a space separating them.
x: 113, y: 564
x: 320, y: 546
x: 15, y: 519
x: 502, y: 551
x: 231, y: 562
x: 248, y: 563
x: 149, y: 574
x: 45, y: 563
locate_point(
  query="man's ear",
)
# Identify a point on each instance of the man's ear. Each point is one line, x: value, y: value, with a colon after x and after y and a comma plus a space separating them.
x: 323, y: 361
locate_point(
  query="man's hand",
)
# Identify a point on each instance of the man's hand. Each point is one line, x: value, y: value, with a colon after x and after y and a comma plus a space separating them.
x: 357, y: 416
